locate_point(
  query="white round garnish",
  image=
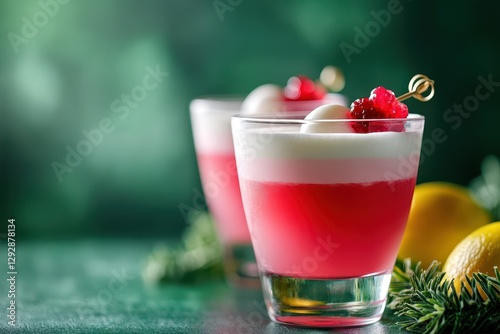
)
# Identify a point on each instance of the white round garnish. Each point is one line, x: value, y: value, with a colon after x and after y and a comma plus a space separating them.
x: 263, y: 99
x: 327, y: 112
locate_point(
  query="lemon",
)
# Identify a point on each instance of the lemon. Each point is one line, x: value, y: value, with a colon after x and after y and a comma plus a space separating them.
x: 441, y: 215
x: 478, y: 252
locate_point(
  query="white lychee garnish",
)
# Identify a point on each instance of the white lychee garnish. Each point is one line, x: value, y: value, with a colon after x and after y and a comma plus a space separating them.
x: 327, y: 112
x: 265, y: 99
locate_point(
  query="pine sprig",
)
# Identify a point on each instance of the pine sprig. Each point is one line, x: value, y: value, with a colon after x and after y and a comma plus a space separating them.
x: 197, y: 258
x: 400, y: 279
x: 430, y: 304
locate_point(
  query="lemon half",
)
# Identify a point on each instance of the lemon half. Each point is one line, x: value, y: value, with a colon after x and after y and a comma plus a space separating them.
x: 441, y: 215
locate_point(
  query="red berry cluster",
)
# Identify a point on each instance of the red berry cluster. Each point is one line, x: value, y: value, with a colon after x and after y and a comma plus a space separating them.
x: 301, y: 88
x: 382, y: 104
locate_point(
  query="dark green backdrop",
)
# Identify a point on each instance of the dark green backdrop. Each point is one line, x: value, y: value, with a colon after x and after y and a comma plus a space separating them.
x: 67, y: 66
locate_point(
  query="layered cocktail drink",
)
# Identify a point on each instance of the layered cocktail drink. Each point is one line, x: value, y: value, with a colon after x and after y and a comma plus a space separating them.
x: 211, y: 124
x: 326, y: 202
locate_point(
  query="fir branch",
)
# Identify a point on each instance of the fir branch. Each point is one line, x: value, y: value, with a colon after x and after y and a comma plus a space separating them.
x: 197, y: 258
x: 429, y: 304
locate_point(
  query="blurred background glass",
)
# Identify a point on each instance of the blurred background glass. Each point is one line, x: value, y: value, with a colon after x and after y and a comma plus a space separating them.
x: 113, y: 80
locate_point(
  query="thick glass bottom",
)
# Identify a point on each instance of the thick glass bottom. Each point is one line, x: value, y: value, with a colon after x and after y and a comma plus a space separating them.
x: 240, y: 266
x: 325, y: 302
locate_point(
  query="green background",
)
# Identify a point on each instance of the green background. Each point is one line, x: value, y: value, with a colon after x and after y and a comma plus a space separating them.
x: 63, y: 80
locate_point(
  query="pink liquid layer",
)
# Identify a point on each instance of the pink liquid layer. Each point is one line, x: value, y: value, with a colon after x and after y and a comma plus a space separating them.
x: 327, y: 230
x: 222, y: 193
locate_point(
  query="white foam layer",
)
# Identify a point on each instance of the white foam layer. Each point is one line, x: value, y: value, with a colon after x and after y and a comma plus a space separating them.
x: 286, y: 155
x: 211, y: 124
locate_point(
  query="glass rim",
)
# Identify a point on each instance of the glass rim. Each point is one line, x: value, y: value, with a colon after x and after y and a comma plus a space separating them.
x: 288, y: 118
x: 216, y: 104
x: 230, y: 103
x: 228, y: 98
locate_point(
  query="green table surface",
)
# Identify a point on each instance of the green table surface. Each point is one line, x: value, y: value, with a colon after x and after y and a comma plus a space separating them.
x: 95, y: 286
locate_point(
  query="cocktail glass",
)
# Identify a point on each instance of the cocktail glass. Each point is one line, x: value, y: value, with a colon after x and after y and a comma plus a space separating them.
x: 326, y: 212
x: 211, y: 125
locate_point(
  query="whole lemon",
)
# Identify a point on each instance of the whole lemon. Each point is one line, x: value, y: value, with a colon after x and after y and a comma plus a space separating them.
x: 478, y: 252
x: 441, y: 215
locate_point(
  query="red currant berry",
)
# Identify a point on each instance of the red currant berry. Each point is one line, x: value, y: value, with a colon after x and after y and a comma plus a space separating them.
x: 401, y: 110
x: 302, y: 88
x: 382, y: 104
x: 383, y: 100
x: 359, y: 105
x: 363, y: 109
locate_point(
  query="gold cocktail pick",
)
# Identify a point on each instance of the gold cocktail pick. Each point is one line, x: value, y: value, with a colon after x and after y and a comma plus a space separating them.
x: 418, y: 85
x: 332, y: 78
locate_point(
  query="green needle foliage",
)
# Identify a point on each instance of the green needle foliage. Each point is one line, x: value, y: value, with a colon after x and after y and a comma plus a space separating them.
x: 197, y: 258
x: 486, y: 187
x: 429, y: 304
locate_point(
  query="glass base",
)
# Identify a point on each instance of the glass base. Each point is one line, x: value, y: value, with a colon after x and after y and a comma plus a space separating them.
x: 240, y: 266
x: 325, y: 302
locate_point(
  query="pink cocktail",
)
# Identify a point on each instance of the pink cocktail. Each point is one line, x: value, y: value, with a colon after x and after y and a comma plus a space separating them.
x: 211, y: 124
x: 340, y: 241
x: 326, y: 212
x: 222, y: 192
